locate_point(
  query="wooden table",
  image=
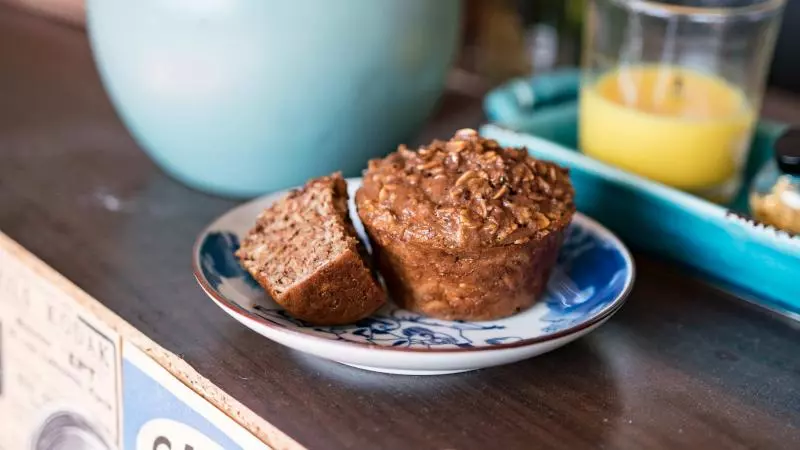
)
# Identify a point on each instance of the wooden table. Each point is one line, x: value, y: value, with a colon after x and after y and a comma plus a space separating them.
x: 682, y: 365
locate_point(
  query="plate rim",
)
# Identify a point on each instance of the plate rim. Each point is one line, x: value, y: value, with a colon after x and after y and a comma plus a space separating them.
x: 234, y: 309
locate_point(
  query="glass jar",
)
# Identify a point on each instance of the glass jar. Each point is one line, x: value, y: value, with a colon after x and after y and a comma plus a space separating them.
x: 671, y: 89
x: 775, y: 192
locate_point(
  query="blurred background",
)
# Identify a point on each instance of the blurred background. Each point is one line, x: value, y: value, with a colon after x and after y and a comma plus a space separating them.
x: 507, y: 38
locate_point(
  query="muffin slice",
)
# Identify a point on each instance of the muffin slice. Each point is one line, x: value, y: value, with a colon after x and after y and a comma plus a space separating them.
x: 305, y: 252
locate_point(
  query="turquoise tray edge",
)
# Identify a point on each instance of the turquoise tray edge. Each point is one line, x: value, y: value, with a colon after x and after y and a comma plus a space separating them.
x: 758, y: 263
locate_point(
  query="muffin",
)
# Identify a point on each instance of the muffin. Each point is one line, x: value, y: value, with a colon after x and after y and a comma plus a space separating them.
x: 305, y: 252
x: 465, y: 229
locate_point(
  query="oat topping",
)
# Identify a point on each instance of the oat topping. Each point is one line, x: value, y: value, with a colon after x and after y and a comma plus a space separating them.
x: 466, y: 192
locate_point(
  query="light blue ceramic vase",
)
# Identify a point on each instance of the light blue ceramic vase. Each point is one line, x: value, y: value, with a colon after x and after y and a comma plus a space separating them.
x: 241, y: 97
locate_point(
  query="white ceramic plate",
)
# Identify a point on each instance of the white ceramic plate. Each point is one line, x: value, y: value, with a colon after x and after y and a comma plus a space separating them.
x: 593, y: 276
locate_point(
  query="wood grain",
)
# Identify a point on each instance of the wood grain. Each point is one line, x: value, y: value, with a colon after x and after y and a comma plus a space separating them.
x: 681, y: 366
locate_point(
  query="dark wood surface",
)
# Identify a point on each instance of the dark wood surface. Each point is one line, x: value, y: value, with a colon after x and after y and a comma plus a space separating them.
x: 681, y: 365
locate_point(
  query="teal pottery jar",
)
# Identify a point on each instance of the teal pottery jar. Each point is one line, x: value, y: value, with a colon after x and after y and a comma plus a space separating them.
x: 242, y: 97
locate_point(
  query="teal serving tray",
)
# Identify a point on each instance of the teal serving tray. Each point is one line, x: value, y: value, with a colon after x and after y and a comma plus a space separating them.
x: 756, y: 262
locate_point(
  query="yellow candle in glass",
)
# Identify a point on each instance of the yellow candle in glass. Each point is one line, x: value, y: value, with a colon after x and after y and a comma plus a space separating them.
x: 677, y: 126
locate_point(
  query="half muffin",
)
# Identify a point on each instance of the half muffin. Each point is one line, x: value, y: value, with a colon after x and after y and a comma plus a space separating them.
x: 465, y: 229
x: 305, y: 252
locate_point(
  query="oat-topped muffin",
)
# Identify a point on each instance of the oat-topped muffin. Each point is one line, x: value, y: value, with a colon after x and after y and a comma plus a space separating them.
x: 465, y: 229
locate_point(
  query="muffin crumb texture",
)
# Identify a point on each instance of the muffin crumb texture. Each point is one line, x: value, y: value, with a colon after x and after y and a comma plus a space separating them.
x: 305, y: 252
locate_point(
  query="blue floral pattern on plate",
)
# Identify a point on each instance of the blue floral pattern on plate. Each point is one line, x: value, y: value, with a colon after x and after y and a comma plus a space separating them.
x: 592, y: 275
x: 397, y: 328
